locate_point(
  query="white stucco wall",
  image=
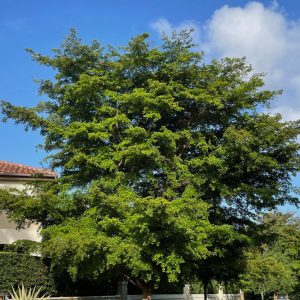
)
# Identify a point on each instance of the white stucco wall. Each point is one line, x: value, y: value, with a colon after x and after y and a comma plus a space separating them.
x: 8, y: 231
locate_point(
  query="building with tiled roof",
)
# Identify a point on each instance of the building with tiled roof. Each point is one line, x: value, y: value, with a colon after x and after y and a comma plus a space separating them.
x: 13, y: 175
x: 9, y: 169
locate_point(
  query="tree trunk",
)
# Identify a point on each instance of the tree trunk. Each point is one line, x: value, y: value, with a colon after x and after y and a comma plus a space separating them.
x: 146, y: 294
x: 146, y: 287
x: 226, y: 287
x: 205, y: 284
x: 262, y: 296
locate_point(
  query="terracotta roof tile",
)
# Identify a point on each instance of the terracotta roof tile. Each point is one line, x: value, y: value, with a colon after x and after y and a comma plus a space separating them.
x: 13, y: 169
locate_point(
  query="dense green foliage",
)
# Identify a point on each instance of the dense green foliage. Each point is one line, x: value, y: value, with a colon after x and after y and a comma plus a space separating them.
x: 164, y: 158
x: 17, y: 268
x: 267, y: 272
x: 273, y: 260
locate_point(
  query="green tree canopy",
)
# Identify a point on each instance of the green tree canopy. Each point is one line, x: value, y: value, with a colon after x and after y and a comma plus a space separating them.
x: 267, y: 272
x: 162, y: 156
x: 279, y: 231
x: 274, y: 257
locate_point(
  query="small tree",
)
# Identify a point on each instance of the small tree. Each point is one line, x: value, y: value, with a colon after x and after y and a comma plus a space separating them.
x: 267, y: 272
x: 273, y: 261
x: 163, y: 158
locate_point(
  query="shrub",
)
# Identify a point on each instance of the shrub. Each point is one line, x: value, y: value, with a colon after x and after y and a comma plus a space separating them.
x: 17, y: 269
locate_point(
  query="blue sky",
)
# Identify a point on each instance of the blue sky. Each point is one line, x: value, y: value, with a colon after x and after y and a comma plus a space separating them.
x: 266, y: 32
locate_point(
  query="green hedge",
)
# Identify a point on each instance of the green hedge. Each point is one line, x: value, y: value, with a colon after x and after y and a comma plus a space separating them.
x: 17, y: 268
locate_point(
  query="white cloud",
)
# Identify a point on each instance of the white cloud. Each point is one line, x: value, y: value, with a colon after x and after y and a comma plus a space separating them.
x: 254, y: 31
x: 268, y: 39
x: 287, y: 111
x: 163, y: 26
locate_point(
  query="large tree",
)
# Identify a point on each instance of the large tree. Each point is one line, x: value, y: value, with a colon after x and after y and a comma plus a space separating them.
x: 163, y: 157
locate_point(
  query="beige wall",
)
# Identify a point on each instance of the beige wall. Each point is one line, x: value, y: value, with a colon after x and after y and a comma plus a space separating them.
x: 8, y: 231
x: 16, y: 184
